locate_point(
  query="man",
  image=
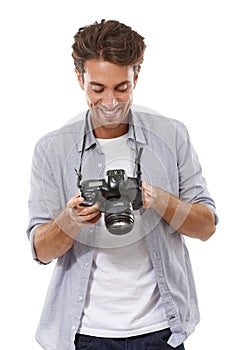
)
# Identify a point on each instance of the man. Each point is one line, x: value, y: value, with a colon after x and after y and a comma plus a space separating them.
x: 120, y: 290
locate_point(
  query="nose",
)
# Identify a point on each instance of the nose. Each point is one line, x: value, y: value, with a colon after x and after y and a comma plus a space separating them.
x: 109, y: 99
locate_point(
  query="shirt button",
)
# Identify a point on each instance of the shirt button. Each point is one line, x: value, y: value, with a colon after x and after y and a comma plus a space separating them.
x: 86, y: 264
x: 80, y: 298
x: 73, y: 328
x: 100, y: 165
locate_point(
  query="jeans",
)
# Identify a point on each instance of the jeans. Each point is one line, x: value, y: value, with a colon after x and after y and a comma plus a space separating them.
x: 151, y: 341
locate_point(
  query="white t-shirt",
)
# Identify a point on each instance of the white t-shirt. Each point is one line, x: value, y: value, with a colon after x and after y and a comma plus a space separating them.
x: 123, y: 298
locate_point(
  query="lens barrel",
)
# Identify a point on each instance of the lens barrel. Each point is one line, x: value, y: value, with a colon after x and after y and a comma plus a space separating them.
x: 119, y: 217
x: 119, y: 224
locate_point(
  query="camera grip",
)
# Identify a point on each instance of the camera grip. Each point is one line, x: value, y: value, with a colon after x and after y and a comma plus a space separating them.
x: 88, y: 203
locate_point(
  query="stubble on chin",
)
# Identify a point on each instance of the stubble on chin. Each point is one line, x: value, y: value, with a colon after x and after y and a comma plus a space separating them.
x: 111, y: 126
x: 108, y: 124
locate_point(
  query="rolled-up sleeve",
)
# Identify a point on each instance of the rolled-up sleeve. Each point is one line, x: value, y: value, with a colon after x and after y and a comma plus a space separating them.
x: 192, y: 184
x: 44, y: 202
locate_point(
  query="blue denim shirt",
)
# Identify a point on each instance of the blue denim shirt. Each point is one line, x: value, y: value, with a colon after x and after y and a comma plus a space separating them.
x: 168, y: 161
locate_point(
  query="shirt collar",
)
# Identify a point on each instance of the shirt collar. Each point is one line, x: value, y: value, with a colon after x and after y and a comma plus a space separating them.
x: 135, y: 132
x: 87, y: 137
x: 136, y: 129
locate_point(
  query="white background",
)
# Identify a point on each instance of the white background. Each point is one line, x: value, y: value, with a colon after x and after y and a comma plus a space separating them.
x: 190, y: 73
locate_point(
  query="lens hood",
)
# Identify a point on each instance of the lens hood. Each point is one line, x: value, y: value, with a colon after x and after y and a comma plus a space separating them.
x: 120, y: 223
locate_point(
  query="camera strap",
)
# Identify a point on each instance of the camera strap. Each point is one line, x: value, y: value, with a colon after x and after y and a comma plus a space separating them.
x: 137, y: 157
x: 138, y: 153
x: 78, y: 172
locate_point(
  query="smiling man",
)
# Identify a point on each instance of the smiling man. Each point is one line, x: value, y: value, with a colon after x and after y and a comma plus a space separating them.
x: 123, y: 290
x: 109, y: 93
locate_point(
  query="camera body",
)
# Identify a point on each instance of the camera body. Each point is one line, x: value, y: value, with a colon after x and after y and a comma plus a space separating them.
x: 118, y: 196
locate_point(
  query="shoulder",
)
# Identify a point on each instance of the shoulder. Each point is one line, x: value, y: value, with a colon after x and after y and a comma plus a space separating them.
x: 68, y: 133
x: 157, y: 123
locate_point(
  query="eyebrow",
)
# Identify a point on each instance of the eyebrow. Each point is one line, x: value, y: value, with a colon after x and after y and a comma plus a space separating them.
x: 102, y: 85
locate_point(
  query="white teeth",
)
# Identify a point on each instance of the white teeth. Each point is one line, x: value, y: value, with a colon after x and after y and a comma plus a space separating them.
x: 110, y: 112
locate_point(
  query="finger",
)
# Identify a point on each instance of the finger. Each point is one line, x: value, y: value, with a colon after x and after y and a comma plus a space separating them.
x: 146, y: 187
x: 92, y: 216
x: 96, y: 218
x: 75, y: 201
x: 146, y: 202
x: 87, y: 210
x: 84, y: 211
x: 89, y: 218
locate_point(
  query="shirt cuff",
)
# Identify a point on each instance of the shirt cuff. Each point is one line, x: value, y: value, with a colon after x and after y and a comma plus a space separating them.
x: 31, y: 238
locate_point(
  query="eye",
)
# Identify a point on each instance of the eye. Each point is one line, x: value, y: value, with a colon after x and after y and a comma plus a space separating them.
x: 122, y: 88
x: 97, y: 90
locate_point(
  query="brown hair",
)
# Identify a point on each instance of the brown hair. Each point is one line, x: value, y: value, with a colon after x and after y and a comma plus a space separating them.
x: 110, y: 41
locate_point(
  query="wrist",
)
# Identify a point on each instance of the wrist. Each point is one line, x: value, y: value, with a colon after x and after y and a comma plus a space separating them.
x: 160, y: 200
x: 68, y: 222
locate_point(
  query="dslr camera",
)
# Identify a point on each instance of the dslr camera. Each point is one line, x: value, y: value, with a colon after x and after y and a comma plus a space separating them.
x: 118, y: 196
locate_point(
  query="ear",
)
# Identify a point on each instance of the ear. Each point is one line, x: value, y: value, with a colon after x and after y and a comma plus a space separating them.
x: 136, y: 75
x: 80, y: 78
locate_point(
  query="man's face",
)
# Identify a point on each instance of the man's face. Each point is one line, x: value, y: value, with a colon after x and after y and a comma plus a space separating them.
x: 109, y: 93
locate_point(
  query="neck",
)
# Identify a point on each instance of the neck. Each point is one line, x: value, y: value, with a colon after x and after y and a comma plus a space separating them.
x: 104, y: 133
x: 111, y: 129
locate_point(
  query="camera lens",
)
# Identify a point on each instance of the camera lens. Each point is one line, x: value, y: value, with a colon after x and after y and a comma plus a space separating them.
x: 119, y: 217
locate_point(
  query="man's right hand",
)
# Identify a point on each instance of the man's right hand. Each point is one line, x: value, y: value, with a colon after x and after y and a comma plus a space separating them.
x: 55, y: 238
x: 83, y: 215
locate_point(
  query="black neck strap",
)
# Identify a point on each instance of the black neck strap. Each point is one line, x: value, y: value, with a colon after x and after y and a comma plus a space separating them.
x: 137, y: 151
